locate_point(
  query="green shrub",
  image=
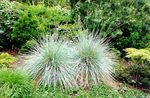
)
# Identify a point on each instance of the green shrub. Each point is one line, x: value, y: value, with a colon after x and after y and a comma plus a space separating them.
x: 6, y: 60
x: 134, y: 40
x: 37, y: 20
x: 8, y: 15
x: 138, y: 71
x: 125, y: 21
x: 30, y: 24
x: 15, y: 84
x: 20, y: 22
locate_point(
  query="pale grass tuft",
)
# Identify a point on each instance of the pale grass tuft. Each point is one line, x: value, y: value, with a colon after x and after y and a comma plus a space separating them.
x: 50, y: 62
x: 95, y: 60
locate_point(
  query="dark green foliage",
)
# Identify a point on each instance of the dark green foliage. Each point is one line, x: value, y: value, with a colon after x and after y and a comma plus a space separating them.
x: 134, y: 74
x: 139, y: 75
x: 8, y: 15
x: 126, y: 22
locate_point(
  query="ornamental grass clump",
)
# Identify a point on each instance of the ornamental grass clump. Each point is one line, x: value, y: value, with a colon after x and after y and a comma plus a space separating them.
x: 49, y: 63
x: 95, y: 60
x: 6, y: 60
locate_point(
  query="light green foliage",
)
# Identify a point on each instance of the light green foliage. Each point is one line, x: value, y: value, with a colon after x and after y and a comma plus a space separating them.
x: 6, y: 60
x: 58, y: 14
x: 15, y: 84
x: 95, y: 60
x: 141, y: 66
x: 70, y: 30
x: 138, y: 54
x: 31, y: 23
x: 50, y: 63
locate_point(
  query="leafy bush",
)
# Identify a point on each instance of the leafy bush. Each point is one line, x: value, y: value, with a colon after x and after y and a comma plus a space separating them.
x: 20, y: 22
x: 50, y: 63
x: 8, y: 15
x: 136, y: 73
x: 6, y: 60
x: 15, y: 84
x: 134, y: 40
x: 125, y: 21
x: 95, y: 60
x: 31, y: 23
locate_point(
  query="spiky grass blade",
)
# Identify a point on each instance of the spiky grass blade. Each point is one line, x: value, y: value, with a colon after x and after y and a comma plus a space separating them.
x: 50, y: 63
x: 15, y: 84
x: 95, y: 59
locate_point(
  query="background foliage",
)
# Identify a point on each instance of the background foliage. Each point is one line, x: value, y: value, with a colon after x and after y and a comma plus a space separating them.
x: 126, y: 22
x: 23, y: 22
x: 8, y: 15
x: 136, y: 72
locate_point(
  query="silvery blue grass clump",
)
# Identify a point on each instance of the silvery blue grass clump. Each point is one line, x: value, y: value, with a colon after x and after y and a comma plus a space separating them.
x: 95, y: 60
x: 85, y: 61
x: 50, y: 63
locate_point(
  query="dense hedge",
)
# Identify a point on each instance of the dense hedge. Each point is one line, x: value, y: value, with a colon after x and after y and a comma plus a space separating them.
x: 126, y: 22
x: 20, y: 22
